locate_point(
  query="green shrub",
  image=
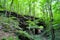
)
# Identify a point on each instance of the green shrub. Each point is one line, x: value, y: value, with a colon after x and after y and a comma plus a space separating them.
x: 10, y: 38
x: 24, y: 34
x: 8, y: 23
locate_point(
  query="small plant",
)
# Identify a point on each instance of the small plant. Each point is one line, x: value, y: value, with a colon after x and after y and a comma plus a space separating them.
x: 8, y: 23
x: 10, y: 38
x: 24, y: 34
x: 3, y: 39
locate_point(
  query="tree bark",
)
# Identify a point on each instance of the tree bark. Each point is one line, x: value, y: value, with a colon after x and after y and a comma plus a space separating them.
x: 51, y: 22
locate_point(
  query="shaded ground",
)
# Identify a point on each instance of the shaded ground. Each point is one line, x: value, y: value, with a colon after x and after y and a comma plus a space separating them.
x: 5, y: 34
x: 57, y: 35
x: 23, y: 24
x: 39, y: 37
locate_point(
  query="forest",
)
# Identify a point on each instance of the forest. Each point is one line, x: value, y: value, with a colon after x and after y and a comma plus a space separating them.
x: 29, y: 20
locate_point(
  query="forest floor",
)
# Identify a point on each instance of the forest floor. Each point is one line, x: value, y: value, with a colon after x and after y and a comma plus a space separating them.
x: 5, y: 34
x: 57, y: 35
x: 36, y: 37
x: 39, y: 37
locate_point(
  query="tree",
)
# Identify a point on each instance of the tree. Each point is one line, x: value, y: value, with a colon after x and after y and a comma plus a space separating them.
x: 29, y: 6
x: 51, y: 20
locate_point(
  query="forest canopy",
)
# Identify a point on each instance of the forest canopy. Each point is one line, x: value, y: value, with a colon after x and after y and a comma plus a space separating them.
x: 37, y: 8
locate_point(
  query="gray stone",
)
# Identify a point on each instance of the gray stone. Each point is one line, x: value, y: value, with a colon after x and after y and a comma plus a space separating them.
x: 0, y: 27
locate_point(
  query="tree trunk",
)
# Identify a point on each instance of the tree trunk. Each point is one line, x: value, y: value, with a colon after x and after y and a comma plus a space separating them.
x: 30, y: 7
x: 11, y: 7
x: 51, y: 22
